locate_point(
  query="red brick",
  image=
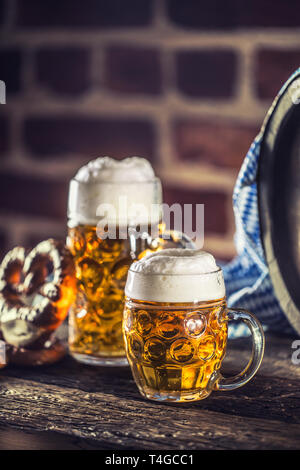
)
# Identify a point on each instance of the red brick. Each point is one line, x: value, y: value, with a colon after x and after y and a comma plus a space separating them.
x: 2, y: 11
x: 90, y: 136
x: 273, y: 68
x: 3, y: 244
x: 21, y: 194
x: 32, y: 239
x: 220, y: 143
x: 215, y: 206
x: 206, y: 73
x: 222, y: 258
x: 4, y: 135
x: 133, y: 70
x: 10, y: 71
x: 83, y: 14
x: 234, y: 14
x: 64, y: 70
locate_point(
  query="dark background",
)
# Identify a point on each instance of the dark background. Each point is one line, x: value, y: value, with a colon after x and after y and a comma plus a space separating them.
x: 184, y: 83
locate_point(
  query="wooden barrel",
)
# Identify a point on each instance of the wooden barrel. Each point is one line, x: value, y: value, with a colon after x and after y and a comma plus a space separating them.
x: 279, y: 198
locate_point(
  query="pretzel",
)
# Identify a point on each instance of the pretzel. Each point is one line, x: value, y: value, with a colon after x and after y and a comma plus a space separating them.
x: 36, y: 292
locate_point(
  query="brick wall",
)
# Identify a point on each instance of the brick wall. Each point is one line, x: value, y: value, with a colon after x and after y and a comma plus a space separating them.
x: 184, y: 83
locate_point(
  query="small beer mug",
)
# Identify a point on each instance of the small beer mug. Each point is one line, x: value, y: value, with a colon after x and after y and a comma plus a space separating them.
x: 175, y: 327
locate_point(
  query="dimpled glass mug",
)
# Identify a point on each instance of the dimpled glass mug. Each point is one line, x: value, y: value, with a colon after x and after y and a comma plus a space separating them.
x: 175, y: 327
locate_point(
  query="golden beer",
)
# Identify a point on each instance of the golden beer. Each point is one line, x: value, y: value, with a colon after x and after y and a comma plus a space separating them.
x: 101, y: 271
x: 174, y: 349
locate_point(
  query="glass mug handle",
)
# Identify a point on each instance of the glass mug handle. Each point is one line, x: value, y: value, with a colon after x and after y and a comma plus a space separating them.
x: 258, y: 346
x: 179, y: 239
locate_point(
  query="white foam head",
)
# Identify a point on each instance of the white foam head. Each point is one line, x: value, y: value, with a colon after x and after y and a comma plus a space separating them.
x: 176, y: 275
x: 109, y: 170
x: 128, y: 186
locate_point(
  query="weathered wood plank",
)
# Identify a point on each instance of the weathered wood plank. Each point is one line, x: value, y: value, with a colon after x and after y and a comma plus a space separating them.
x: 124, y: 422
x: 277, y: 398
x: 102, y: 407
x: 16, y: 439
x: 136, y: 424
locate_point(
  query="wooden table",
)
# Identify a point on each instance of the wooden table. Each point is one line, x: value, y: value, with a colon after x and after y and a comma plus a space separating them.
x: 72, y: 406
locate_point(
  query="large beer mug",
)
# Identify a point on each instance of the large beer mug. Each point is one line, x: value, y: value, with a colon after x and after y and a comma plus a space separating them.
x: 175, y: 327
x: 114, y: 218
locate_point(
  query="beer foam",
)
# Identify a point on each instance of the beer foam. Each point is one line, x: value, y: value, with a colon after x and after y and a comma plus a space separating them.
x: 176, y: 275
x: 131, y: 169
x: 119, y: 192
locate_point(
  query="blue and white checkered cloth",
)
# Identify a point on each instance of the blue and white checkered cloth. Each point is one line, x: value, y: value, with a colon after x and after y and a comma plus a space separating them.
x: 247, y: 278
